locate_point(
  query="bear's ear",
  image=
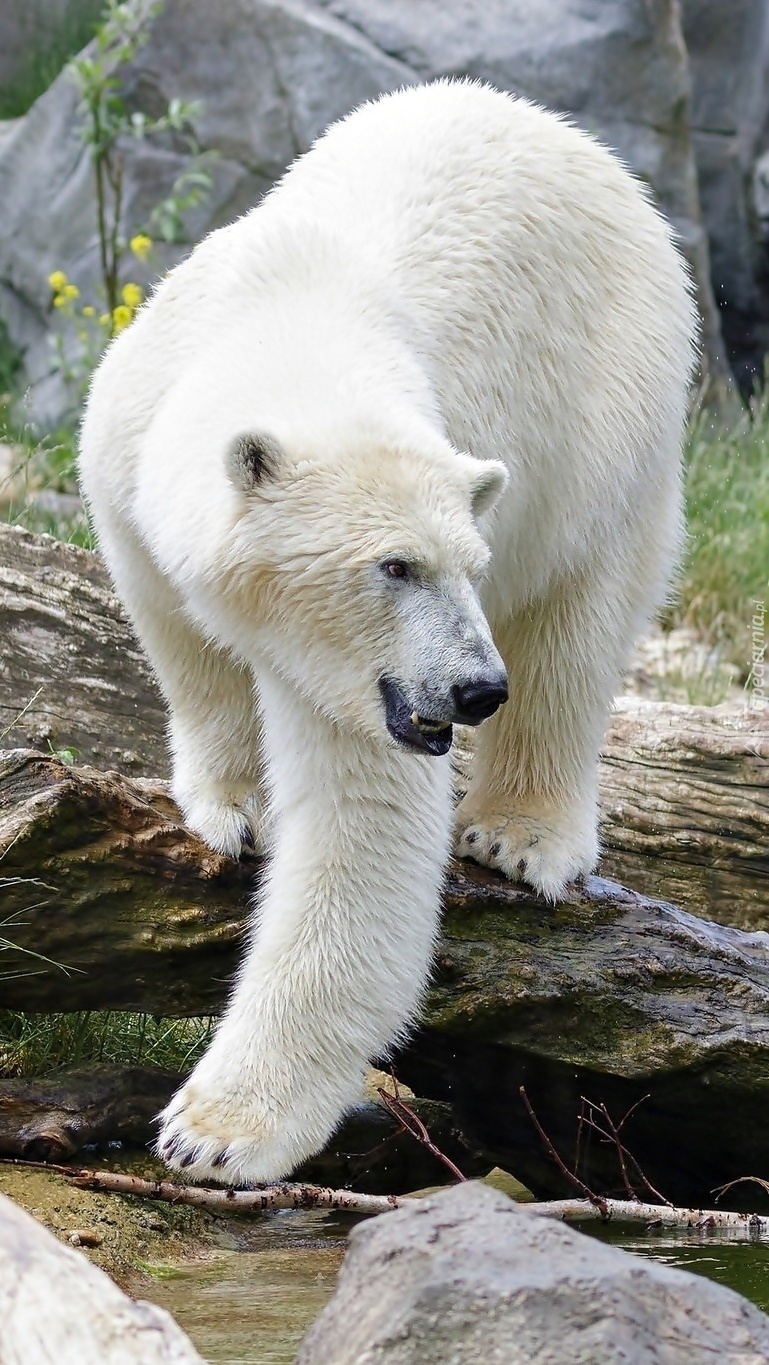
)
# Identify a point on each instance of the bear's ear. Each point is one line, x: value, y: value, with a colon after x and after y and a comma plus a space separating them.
x: 487, y: 485
x: 251, y: 459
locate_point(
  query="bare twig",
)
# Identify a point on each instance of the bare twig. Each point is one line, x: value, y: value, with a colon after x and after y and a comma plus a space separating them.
x: 753, y: 1179
x: 571, y: 1176
x: 622, y: 1152
x: 411, y: 1123
x: 613, y: 1136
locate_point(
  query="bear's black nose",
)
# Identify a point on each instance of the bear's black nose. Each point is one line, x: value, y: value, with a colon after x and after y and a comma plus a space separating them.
x: 478, y: 700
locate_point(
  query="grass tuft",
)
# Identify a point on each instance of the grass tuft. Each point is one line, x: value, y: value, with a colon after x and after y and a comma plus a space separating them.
x: 726, y: 565
x: 39, y: 1044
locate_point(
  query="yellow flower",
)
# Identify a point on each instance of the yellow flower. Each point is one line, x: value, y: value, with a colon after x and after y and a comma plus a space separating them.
x: 89, y: 311
x: 70, y: 291
x: 60, y: 300
x: 141, y: 245
x: 104, y: 320
x: 121, y: 316
x: 132, y: 295
x: 57, y: 281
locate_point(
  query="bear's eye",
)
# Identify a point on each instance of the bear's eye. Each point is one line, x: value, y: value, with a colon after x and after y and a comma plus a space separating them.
x: 395, y: 568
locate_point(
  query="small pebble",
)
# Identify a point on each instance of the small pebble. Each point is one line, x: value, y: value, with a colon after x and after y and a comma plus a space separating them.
x: 85, y: 1237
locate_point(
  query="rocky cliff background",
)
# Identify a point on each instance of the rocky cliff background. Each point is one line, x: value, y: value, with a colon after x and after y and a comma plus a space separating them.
x: 680, y: 88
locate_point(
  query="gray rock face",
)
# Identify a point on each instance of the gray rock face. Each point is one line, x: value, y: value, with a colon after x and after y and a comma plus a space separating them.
x: 273, y: 73
x: 466, y: 1277
x: 729, y: 53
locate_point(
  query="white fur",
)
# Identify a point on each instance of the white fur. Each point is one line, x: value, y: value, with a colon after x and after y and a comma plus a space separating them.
x: 449, y: 277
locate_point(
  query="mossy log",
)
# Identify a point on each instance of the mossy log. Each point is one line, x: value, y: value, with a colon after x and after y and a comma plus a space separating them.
x: 609, y: 994
x: 684, y: 790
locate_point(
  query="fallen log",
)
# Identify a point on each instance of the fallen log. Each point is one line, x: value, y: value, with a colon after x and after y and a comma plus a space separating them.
x: 292, y: 1195
x: 71, y: 673
x: 685, y: 806
x: 684, y: 790
x: 608, y: 994
x: 51, y: 1118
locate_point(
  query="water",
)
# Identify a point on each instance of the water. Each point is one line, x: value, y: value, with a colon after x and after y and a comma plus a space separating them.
x: 732, y: 1261
x: 252, y: 1306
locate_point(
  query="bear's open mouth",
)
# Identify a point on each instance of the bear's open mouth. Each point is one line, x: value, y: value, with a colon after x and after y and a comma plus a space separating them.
x: 409, y: 728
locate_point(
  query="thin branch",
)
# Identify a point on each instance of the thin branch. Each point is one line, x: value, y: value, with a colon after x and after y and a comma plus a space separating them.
x: 622, y: 1151
x: 571, y: 1176
x: 615, y: 1138
x: 631, y: 1111
x: 753, y: 1179
x: 412, y: 1124
x: 748, y: 1225
x: 219, y: 1200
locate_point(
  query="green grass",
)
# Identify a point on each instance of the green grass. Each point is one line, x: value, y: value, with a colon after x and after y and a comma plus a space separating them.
x: 38, y: 1044
x: 726, y: 566
x: 50, y: 40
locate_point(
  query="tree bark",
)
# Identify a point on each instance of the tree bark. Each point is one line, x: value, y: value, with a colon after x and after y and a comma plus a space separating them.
x: 71, y: 672
x: 51, y: 1118
x: 684, y: 790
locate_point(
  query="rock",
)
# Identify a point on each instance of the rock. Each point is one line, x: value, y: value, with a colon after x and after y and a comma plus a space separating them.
x: 620, y: 67
x: 58, y: 1309
x: 270, y: 75
x: 466, y: 1276
x: 729, y: 53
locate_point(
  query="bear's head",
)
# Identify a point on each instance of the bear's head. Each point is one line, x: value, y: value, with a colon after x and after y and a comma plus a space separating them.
x: 357, y: 565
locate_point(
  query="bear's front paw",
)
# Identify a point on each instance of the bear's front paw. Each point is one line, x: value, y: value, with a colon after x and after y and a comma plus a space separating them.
x: 547, y: 848
x: 223, y: 1129
x: 226, y: 826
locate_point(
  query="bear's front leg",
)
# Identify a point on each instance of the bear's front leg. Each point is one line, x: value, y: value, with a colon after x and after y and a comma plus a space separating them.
x: 340, y: 952
x: 531, y: 809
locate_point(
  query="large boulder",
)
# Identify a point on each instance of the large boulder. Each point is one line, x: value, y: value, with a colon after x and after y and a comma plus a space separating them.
x: 57, y: 1309
x: 467, y: 1276
x: 272, y: 74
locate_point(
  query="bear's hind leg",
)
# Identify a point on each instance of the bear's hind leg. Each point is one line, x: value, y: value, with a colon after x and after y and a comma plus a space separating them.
x: 214, y: 732
x: 530, y: 810
x: 214, y: 726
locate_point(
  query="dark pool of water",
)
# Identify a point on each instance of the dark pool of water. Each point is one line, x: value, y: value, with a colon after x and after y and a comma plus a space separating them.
x: 736, y: 1263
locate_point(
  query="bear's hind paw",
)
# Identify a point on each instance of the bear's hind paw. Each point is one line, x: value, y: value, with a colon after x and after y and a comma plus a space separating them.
x: 547, y: 850
x: 226, y: 827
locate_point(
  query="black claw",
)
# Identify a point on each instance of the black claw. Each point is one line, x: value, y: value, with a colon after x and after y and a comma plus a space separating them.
x: 221, y: 1157
x: 189, y: 1158
x: 522, y: 866
x: 248, y: 837
x: 471, y: 838
x: 169, y: 1148
x: 494, y: 850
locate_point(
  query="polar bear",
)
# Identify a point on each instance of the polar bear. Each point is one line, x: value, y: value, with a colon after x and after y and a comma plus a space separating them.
x: 397, y: 450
